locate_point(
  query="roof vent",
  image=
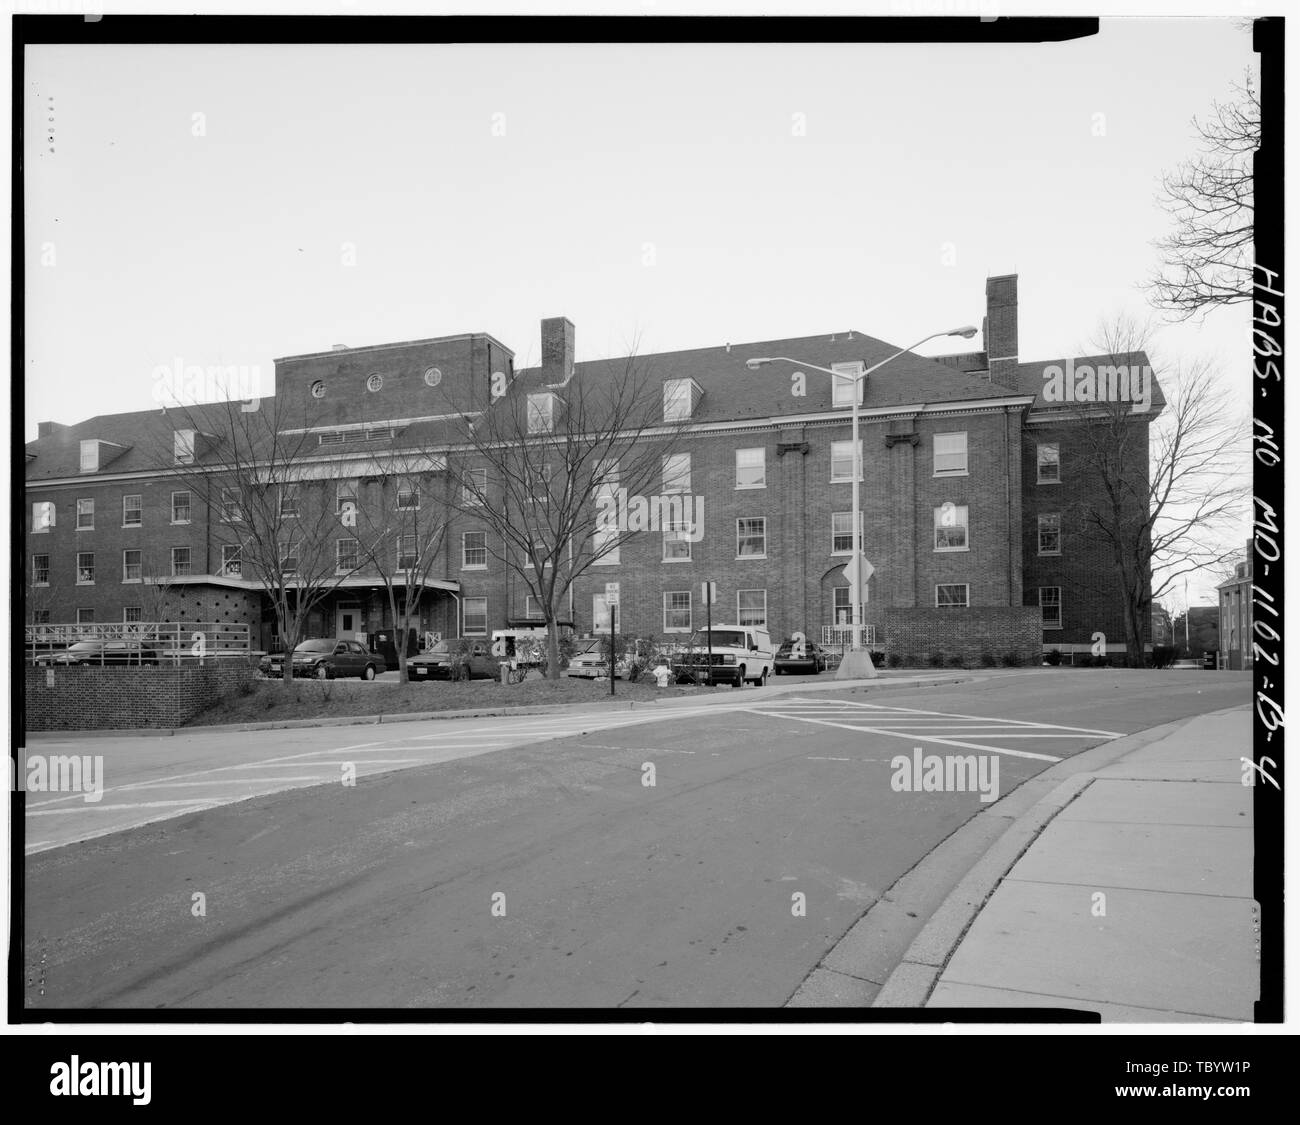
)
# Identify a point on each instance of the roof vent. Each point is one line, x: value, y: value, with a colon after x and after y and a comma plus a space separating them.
x: 338, y: 347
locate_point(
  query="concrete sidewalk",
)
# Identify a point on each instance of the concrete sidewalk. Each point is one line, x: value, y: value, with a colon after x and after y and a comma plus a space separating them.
x: 1133, y: 899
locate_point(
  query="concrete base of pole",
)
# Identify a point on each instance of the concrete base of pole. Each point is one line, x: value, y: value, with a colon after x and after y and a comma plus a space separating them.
x: 856, y: 666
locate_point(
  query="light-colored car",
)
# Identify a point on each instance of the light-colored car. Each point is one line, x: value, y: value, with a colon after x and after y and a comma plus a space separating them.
x: 590, y: 660
x: 741, y: 654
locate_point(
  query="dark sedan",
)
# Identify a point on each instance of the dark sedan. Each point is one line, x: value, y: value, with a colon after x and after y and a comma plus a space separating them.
x: 812, y: 660
x: 115, y: 654
x: 475, y: 660
x: 325, y: 660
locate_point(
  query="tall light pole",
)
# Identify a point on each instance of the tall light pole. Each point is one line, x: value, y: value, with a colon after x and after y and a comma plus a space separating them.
x: 857, y: 663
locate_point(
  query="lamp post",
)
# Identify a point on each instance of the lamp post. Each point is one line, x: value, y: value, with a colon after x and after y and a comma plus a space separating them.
x: 857, y: 663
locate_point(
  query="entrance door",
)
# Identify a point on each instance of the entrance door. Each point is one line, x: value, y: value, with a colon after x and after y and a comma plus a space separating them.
x: 349, y: 621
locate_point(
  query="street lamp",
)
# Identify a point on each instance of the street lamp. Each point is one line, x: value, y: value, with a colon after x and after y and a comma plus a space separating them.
x: 857, y: 662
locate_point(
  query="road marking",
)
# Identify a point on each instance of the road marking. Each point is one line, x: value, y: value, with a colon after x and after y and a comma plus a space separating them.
x: 881, y: 710
x: 193, y: 802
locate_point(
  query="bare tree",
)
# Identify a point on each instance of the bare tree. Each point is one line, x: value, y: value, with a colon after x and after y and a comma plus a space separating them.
x: 546, y: 468
x: 1206, y: 261
x: 399, y: 538
x: 273, y: 501
x: 1162, y: 494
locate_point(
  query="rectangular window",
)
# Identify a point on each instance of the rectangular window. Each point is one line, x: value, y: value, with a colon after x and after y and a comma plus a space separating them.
x: 183, y: 447
x: 345, y: 556
x: 842, y: 460
x: 677, y: 611
x: 132, y: 566
x: 40, y: 617
x: 950, y: 454
x: 232, y: 560
x: 1049, y: 534
x: 408, y: 555
x: 473, y: 550
x: 751, y: 468
x: 679, y: 399
x: 132, y: 614
x: 345, y: 494
x: 842, y: 533
x: 40, y: 570
x: 1049, y: 601
x: 751, y: 538
x: 1049, y: 462
x: 952, y: 596
x: 751, y: 607
x: 541, y: 413
x: 85, y: 617
x: 90, y: 456
x: 180, y: 507
x: 605, y: 539
x: 42, y: 516
x: 844, y: 605
x: 85, y: 515
x: 230, y: 512
x: 843, y: 393
x: 180, y: 561
x: 532, y: 607
x: 539, y: 483
x: 86, y: 568
x: 475, y: 617
x: 677, y: 540
x: 132, y: 511
x: 950, y: 528
x: 408, y: 496
x: 288, y: 558
x: 474, y: 488
x: 288, y: 501
x: 677, y: 473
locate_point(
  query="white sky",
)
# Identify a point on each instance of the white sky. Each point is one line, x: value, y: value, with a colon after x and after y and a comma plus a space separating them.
x: 654, y: 194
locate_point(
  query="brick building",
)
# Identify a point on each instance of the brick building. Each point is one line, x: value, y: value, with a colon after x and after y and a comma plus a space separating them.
x: 970, y: 473
x: 1236, y: 615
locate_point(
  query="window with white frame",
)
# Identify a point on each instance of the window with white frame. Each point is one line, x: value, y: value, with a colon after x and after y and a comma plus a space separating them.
x: 607, y: 534
x: 132, y: 566
x: 232, y: 560
x: 842, y: 533
x: 408, y: 552
x: 751, y: 467
x: 85, y: 568
x: 950, y: 454
x: 677, y: 539
x: 345, y: 496
x: 408, y: 496
x: 345, y: 556
x: 289, y: 558
x: 183, y: 447
x: 677, y: 611
x: 85, y: 515
x: 42, y: 516
x: 85, y: 616
x: 677, y: 473
x: 180, y: 562
x: 473, y: 489
x: 679, y: 395
x: 842, y: 460
x: 1049, y: 534
x: 539, y: 483
x: 475, y: 616
x: 1049, y: 462
x: 950, y: 527
x: 845, y: 382
x: 751, y: 537
x: 132, y: 511
x: 952, y: 595
x: 288, y: 501
x: 1049, y: 601
x: 181, y: 505
x: 599, y: 614
x: 230, y: 511
x: 843, y: 605
x: 532, y: 606
x: 131, y: 614
x: 473, y: 550
x: 90, y: 456
x: 40, y: 570
x: 541, y: 413
x: 751, y: 607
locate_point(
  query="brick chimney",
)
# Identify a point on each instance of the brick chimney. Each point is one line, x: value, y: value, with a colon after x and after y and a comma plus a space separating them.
x: 45, y: 429
x: 557, y: 346
x: 1001, y: 330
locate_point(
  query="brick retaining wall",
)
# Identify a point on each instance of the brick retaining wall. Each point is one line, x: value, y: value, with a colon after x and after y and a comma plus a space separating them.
x: 85, y: 698
x: 916, y: 634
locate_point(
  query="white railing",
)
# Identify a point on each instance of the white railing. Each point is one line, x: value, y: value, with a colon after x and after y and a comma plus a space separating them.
x: 172, y: 642
x: 842, y: 635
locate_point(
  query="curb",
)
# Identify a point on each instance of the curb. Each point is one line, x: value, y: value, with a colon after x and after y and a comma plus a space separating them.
x: 663, y: 705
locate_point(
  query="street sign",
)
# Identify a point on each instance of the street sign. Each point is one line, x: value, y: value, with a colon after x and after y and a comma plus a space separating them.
x: 709, y: 593
x: 851, y: 568
x: 611, y: 593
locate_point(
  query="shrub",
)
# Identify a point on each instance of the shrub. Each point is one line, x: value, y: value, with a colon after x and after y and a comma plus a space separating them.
x: 895, y: 660
x: 1012, y: 659
x: 878, y: 659
x: 988, y: 660
x: 936, y: 659
x: 1054, y: 657
x: 1162, y: 656
x: 956, y: 661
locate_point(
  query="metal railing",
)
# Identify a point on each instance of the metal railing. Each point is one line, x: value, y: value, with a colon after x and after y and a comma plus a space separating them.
x: 140, y: 642
x: 841, y: 636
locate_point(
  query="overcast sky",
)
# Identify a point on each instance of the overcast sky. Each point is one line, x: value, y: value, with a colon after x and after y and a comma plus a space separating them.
x: 671, y: 196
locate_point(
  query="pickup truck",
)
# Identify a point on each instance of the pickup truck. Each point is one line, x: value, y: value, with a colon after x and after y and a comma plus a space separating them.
x: 741, y: 654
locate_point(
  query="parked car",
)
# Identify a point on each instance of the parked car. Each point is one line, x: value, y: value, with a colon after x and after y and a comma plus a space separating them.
x: 95, y: 653
x: 590, y: 660
x: 475, y: 660
x: 325, y: 660
x: 741, y: 654
x: 812, y: 659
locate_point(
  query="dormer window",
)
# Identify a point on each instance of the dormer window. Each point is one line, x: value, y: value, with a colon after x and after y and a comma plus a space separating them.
x: 183, y: 447
x: 90, y: 456
x: 847, y: 377
x: 681, y: 396
x: 541, y: 413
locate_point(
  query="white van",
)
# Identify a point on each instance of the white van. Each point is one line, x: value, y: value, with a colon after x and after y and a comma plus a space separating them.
x: 741, y: 654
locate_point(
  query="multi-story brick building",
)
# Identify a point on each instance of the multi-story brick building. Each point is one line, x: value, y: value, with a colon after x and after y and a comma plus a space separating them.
x: 969, y: 474
x: 1236, y: 615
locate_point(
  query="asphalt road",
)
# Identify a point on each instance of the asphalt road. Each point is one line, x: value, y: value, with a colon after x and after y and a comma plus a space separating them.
x: 550, y: 874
